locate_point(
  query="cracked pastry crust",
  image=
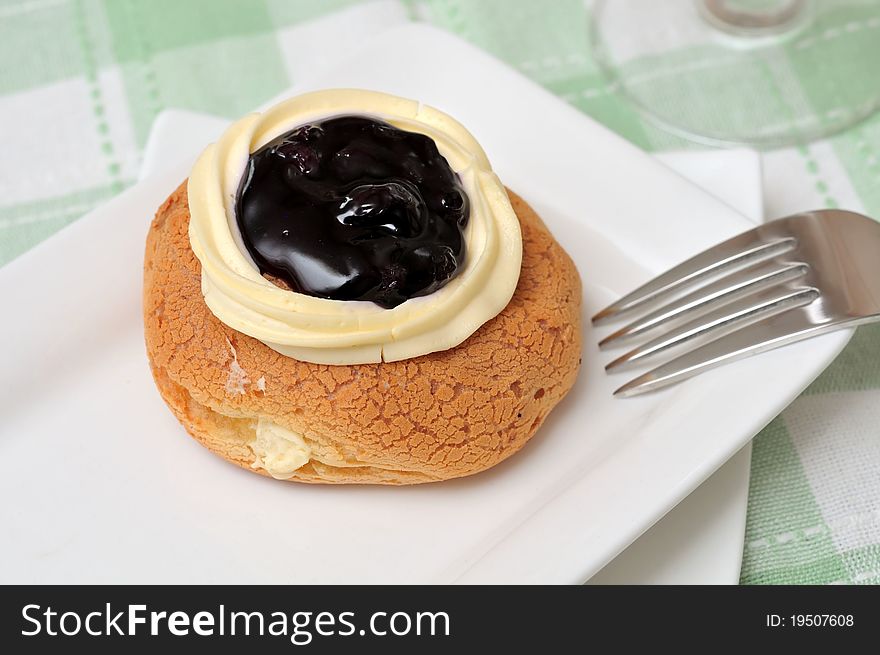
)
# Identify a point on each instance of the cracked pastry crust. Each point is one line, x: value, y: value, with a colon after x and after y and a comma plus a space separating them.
x: 434, y: 417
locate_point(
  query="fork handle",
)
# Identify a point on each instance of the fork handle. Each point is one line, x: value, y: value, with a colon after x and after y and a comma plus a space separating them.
x: 774, y: 332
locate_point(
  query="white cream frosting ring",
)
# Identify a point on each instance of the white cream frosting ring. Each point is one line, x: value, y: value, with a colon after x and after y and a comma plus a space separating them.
x: 351, y: 332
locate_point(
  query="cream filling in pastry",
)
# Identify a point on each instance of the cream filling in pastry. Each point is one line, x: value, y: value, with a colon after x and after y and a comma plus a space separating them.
x: 281, y: 452
x: 351, y: 332
x: 278, y: 451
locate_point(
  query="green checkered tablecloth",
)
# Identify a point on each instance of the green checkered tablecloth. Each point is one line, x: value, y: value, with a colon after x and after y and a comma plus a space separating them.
x: 82, y: 80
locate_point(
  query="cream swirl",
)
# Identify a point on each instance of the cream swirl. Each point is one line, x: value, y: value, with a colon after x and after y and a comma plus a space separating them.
x: 351, y: 332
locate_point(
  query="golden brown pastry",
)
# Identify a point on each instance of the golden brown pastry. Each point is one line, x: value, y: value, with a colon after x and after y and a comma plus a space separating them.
x: 437, y: 416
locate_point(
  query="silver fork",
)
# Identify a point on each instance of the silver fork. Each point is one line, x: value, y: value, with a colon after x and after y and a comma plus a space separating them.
x: 791, y: 279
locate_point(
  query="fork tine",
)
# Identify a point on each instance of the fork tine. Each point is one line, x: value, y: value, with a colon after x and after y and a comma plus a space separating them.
x: 708, y: 297
x: 724, y: 320
x: 736, y: 253
x: 773, y: 332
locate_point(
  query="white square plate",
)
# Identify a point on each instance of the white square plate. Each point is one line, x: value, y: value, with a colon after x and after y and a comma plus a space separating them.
x: 107, y: 488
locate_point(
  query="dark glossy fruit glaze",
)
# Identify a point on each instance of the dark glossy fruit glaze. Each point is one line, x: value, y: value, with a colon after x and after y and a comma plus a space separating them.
x: 352, y: 208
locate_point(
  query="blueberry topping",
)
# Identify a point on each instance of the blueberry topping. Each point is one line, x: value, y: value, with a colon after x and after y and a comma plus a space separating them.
x: 353, y: 208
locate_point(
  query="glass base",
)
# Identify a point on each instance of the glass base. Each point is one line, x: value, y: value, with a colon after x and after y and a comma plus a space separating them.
x: 764, y: 73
